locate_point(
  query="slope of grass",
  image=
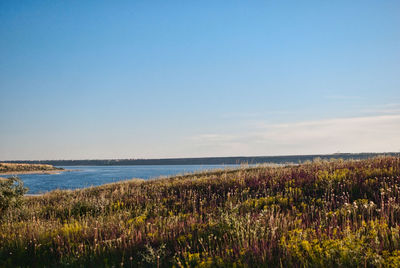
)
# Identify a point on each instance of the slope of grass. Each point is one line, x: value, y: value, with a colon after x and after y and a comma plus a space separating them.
x: 320, y: 214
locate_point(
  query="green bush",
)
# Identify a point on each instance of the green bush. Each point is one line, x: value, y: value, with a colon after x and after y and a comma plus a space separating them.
x: 11, y: 192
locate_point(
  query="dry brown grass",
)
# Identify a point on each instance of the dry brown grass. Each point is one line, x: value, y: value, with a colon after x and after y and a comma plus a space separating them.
x: 14, y: 167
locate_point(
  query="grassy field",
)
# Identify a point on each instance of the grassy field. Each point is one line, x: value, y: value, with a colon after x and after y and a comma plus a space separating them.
x: 320, y: 214
x: 12, y: 167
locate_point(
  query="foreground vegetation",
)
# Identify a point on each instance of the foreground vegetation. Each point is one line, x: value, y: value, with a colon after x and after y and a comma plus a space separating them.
x: 13, y: 167
x: 320, y: 214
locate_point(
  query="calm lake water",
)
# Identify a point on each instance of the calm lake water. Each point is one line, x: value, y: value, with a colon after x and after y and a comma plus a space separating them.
x: 86, y: 176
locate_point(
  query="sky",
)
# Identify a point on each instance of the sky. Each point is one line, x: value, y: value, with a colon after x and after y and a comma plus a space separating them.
x: 162, y: 79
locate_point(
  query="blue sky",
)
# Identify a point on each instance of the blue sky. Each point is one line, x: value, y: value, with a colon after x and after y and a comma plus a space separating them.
x: 149, y: 79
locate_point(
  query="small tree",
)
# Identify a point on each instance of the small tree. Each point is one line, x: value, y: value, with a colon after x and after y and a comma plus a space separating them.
x: 11, y: 192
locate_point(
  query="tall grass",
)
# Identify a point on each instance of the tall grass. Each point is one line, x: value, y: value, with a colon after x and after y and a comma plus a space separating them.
x: 319, y: 214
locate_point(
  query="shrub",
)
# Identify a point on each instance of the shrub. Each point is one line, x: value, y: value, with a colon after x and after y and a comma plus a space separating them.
x: 11, y: 192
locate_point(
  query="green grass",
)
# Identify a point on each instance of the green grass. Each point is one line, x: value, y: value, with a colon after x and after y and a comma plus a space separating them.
x: 320, y: 214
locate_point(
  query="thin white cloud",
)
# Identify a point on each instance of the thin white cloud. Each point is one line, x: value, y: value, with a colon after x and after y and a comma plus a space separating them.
x: 388, y: 108
x: 359, y: 134
x: 342, y: 97
x: 244, y: 115
x: 212, y: 138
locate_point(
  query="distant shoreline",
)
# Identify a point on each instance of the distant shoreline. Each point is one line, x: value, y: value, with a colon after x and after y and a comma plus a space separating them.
x: 50, y: 172
x: 231, y: 160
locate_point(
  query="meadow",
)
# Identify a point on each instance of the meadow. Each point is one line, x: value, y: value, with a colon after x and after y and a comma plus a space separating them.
x: 338, y: 213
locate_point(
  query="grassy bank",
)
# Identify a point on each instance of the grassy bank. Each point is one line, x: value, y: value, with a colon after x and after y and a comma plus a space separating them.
x: 320, y: 214
x: 10, y: 168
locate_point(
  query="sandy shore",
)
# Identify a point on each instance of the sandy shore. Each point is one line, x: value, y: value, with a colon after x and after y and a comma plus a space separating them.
x: 57, y: 171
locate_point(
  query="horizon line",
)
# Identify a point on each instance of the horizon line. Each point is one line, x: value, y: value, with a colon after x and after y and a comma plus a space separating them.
x: 205, y: 157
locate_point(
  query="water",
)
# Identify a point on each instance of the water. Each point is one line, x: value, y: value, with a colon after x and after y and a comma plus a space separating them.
x: 86, y: 176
